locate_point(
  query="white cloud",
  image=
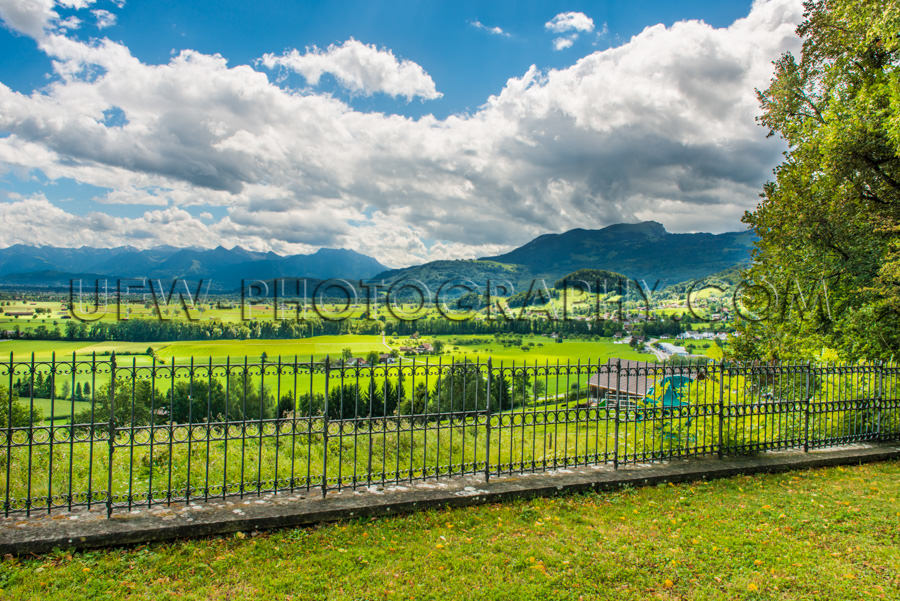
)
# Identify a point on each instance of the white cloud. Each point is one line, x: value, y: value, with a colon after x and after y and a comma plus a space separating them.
x: 492, y: 30
x: 35, y: 220
x: 570, y: 21
x: 104, y: 18
x: 76, y: 4
x: 69, y: 23
x: 563, y: 43
x: 360, y: 68
x: 28, y: 16
x: 34, y: 17
x: 661, y: 127
x: 573, y: 22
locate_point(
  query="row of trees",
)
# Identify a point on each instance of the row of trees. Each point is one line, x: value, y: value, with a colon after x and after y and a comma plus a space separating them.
x: 46, y: 387
x: 461, y: 389
x: 153, y: 330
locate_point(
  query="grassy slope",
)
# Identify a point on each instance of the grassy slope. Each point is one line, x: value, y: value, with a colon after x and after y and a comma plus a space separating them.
x: 826, y: 534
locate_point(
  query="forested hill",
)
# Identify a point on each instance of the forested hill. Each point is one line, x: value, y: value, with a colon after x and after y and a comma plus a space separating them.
x: 642, y: 251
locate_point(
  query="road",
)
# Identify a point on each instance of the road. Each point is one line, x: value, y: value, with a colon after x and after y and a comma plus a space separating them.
x: 661, y: 355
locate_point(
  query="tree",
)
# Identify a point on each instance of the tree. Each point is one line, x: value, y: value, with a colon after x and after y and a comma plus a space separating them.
x: 372, y: 358
x: 346, y: 353
x: 827, y: 263
x: 20, y: 415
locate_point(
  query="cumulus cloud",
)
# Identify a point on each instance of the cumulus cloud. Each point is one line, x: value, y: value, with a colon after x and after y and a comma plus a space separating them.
x: 104, y: 18
x: 35, y: 220
x: 661, y: 127
x: 492, y: 30
x: 570, y: 21
x: 564, y: 42
x: 573, y: 22
x: 359, y: 67
x: 35, y: 17
x: 76, y: 4
x: 29, y: 17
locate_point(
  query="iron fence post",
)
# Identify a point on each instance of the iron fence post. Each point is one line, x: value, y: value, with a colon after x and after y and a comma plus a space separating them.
x: 487, y: 436
x: 879, y: 398
x: 9, y: 434
x: 806, y: 402
x: 618, y: 409
x: 721, y: 406
x: 325, y: 429
x: 112, y: 433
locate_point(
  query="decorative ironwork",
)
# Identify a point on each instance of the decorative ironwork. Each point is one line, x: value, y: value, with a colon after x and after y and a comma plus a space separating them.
x: 121, y: 435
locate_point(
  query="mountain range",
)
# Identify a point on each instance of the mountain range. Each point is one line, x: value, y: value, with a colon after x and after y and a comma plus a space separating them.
x: 27, y: 266
x: 643, y: 251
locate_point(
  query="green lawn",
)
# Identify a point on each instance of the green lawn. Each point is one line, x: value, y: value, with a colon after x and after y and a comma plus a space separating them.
x: 823, y: 534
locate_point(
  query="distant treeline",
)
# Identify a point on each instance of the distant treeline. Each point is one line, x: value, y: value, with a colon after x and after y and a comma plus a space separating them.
x: 151, y: 330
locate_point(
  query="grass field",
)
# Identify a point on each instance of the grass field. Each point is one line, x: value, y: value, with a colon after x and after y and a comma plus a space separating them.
x: 62, y: 409
x: 543, y: 349
x: 317, y: 347
x: 44, y: 349
x: 812, y: 535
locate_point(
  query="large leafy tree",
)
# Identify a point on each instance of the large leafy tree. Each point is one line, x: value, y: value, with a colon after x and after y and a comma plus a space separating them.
x: 827, y: 263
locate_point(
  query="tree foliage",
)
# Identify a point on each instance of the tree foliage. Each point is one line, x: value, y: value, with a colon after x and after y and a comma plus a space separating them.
x: 14, y: 413
x: 827, y: 263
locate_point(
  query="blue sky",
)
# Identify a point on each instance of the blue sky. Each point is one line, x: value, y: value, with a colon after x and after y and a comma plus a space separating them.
x: 409, y: 131
x: 469, y: 63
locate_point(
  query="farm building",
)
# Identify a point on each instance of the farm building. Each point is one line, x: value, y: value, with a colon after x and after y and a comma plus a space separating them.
x: 629, y: 383
x: 635, y: 380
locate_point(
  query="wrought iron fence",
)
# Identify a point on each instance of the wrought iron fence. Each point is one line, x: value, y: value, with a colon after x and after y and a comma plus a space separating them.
x: 89, y: 431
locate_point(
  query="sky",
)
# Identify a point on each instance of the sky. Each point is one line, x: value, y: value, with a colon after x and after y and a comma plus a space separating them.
x: 408, y: 131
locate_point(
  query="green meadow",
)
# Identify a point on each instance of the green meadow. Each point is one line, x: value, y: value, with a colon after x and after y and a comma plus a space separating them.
x: 545, y: 350
x: 540, y: 349
x: 533, y: 350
